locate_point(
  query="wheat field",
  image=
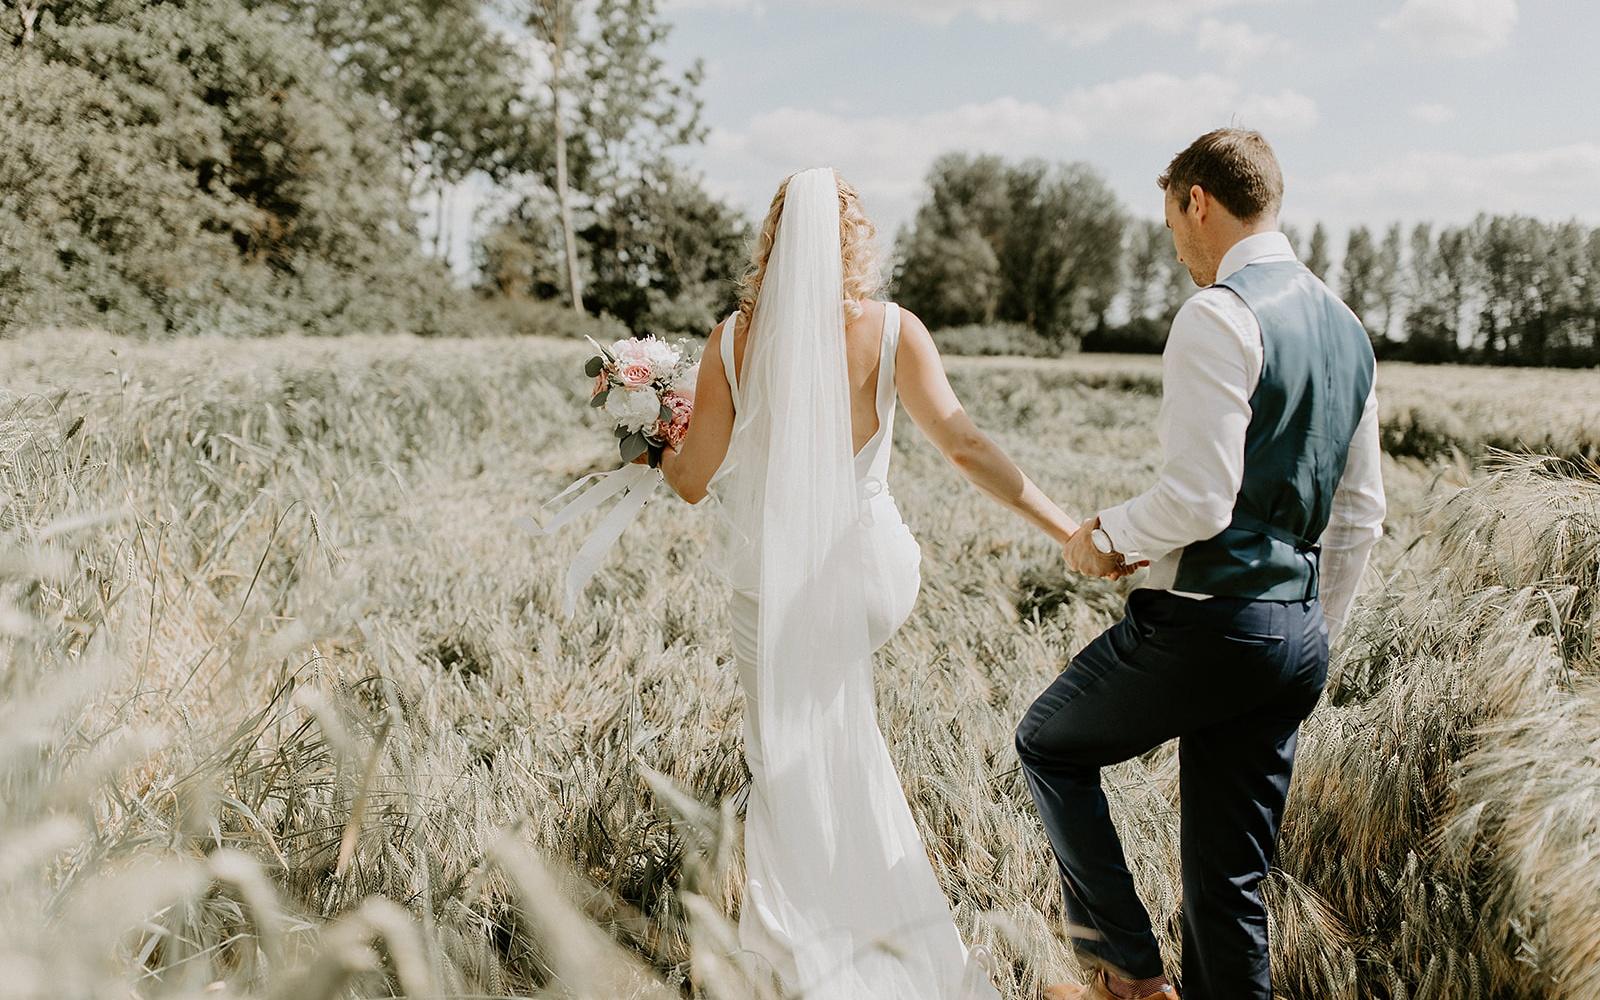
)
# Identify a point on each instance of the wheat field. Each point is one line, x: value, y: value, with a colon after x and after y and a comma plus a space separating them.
x: 290, y: 710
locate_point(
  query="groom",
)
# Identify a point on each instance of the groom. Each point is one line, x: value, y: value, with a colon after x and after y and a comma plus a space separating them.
x: 1257, y: 531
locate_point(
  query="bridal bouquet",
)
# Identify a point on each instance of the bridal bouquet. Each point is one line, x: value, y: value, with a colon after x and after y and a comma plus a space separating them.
x: 645, y: 385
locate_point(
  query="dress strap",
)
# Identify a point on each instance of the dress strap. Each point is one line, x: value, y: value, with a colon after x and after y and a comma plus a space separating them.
x: 728, y: 328
x: 891, y: 342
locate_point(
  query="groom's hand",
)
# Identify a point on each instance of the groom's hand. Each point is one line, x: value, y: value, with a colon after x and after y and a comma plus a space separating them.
x: 1082, y: 556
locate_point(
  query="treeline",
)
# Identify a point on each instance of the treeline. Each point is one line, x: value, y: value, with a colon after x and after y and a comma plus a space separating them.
x: 254, y: 166
x: 1041, y: 258
x: 1502, y: 290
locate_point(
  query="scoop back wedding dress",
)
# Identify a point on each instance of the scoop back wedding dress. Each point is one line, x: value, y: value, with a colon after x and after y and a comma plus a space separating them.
x: 841, y: 901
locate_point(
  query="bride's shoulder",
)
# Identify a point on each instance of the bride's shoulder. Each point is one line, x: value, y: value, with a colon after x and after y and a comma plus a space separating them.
x: 909, y: 320
x: 877, y: 307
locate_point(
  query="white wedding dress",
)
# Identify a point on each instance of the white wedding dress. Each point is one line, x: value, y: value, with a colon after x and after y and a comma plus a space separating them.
x: 893, y: 563
x: 841, y: 901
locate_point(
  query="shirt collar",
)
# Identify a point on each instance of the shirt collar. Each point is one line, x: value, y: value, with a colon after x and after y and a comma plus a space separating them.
x: 1255, y: 249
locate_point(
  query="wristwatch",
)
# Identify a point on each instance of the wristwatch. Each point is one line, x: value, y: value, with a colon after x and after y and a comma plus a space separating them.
x: 1103, y: 543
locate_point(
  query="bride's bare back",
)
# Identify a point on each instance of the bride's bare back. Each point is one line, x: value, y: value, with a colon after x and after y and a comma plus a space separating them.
x: 863, y: 346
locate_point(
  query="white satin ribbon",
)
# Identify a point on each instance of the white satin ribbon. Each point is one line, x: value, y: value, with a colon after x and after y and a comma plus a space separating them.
x: 634, y: 483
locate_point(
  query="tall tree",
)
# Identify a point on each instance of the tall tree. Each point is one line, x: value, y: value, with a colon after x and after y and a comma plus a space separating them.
x: 1591, y: 305
x: 949, y: 267
x: 1317, y: 253
x: 1077, y: 260
x: 1459, y: 274
x: 555, y: 25
x: 1148, y: 246
x: 614, y: 110
x: 1359, y: 277
x: 665, y: 256
x: 1054, y: 234
x: 1430, y: 326
x: 1292, y: 233
x: 1503, y: 251
x: 443, y: 76
x: 1390, y: 281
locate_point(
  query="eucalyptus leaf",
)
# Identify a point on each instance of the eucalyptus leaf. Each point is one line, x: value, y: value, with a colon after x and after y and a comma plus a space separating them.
x: 633, y: 446
x: 594, y: 366
x: 599, y: 399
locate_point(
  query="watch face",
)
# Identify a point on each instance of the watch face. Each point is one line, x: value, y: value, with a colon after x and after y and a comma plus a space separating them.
x: 1102, y: 541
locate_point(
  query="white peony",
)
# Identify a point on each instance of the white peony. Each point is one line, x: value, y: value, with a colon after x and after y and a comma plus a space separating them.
x: 658, y: 354
x: 634, y: 409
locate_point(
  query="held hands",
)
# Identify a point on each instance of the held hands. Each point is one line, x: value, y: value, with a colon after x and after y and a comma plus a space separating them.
x: 1083, y: 557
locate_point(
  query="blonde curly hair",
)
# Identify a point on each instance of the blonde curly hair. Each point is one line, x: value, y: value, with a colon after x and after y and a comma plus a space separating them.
x: 858, y: 253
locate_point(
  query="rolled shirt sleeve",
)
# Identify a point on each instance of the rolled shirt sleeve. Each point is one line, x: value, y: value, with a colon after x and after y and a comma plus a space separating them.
x: 1208, y: 374
x: 1355, y: 522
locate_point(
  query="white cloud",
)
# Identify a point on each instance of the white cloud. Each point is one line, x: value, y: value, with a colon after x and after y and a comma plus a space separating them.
x: 1453, y: 187
x: 1433, y: 114
x: 1079, y: 21
x: 1236, y: 44
x: 1454, y: 27
x: 886, y: 156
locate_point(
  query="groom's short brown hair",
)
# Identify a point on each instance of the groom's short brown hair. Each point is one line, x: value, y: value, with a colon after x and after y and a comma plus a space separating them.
x: 1234, y: 166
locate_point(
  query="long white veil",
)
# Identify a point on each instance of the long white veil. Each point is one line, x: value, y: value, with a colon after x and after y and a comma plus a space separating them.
x: 837, y: 855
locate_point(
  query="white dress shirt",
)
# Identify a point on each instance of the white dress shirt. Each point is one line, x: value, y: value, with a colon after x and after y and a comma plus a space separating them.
x: 1209, y: 371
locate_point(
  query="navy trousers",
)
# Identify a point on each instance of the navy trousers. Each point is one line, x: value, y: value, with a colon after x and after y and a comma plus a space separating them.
x: 1231, y: 679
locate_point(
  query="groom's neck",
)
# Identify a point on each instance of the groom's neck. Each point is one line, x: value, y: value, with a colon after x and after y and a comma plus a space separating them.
x: 1236, y: 232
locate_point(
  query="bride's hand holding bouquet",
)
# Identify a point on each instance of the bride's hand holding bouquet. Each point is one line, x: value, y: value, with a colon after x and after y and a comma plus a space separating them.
x: 645, y: 386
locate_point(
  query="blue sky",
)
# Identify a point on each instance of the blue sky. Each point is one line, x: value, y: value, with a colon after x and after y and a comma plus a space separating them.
x: 1380, y: 111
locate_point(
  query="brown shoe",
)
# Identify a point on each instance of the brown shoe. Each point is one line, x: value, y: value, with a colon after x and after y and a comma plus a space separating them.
x: 1098, y: 990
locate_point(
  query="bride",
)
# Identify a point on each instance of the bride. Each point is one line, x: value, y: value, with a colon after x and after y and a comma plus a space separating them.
x: 794, y: 411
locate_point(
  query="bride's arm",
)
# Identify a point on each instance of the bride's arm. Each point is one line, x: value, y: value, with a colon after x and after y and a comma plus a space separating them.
x: 925, y: 391
x: 691, y: 467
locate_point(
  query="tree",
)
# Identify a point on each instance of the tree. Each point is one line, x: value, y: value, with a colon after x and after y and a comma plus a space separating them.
x: 614, y: 111
x: 1292, y: 233
x: 665, y: 256
x: 1458, y: 274
x: 1148, y: 246
x: 1076, y: 259
x: 1591, y: 306
x: 199, y: 166
x: 1502, y: 248
x: 523, y: 255
x: 662, y: 256
x: 1389, y: 281
x: 951, y: 273
x: 443, y: 77
x: 555, y: 25
x: 1054, y: 235
x: 1158, y: 283
x: 1360, y: 277
x: 949, y: 268
x: 1317, y: 254
x: 1430, y: 326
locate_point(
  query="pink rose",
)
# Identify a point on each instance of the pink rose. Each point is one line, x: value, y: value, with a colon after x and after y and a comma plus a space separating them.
x: 636, y: 374
x: 681, y: 405
x: 601, y: 384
